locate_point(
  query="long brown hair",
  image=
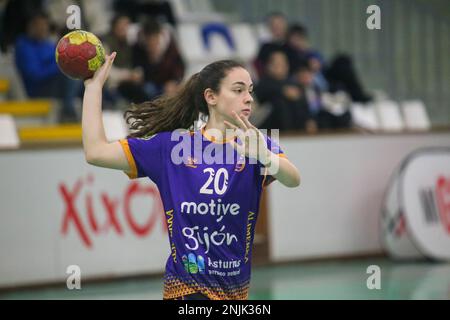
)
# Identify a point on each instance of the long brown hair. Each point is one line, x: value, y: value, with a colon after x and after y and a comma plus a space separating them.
x: 182, y: 109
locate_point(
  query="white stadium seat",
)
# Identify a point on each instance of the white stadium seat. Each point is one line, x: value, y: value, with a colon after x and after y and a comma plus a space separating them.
x: 389, y: 116
x: 8, y: 132
x: 193, y: 48
x: 364, y: 116
x: 242, y: 44
x: 415, y: 115
x: 246, y: 41
x: 262, y: 33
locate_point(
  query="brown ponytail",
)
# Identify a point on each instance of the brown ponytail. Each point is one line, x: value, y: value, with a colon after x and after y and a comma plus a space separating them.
x: 181, y: 110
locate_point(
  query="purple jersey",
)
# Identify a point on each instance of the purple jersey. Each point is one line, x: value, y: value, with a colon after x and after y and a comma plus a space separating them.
x: 211, y: 210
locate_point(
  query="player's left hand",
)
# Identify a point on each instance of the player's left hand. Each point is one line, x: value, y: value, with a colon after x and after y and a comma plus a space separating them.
x: 251, y: 142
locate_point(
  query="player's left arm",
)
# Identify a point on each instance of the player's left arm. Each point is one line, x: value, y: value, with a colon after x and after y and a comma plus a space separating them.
x: 277, y: 166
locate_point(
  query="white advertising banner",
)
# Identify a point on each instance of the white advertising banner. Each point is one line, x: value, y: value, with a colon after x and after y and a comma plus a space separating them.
x: 416, y: 220
x: 396, y: 240
x: 57, y: 211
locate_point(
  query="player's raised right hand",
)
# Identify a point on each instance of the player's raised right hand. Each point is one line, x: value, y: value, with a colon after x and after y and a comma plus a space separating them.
x: 102, y: 73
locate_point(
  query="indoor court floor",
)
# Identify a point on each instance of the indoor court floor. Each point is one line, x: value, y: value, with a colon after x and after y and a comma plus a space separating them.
x: 329, y: 280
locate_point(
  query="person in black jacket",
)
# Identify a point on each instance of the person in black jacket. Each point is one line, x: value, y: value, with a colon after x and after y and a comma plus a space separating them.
x: 277, y: 24
x: 319, y: 116
x: 341, y: 76
x: 289, y: 110
x: 158, y: 55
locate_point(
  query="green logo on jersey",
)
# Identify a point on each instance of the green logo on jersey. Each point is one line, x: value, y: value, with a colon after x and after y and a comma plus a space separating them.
x: 193, y: 265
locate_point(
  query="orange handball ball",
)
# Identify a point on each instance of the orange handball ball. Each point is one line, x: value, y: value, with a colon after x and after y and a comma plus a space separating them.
x: 79, y: 54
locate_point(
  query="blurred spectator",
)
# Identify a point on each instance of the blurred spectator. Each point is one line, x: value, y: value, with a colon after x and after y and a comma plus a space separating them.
x: 316, y: 64
x: 158, y: 55
x: 297, y: 42
x: 14, y: 20
x: 341, y: 75
x: 300, y: 52
x: 278, y: 25
x: 312, y: 95
x: 116, y: 40
x: 289, y: 111
x: 123, y: 78
x: 35, y: 60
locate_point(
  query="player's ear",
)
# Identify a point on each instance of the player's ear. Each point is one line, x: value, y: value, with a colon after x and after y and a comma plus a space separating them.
x: 210, y: 97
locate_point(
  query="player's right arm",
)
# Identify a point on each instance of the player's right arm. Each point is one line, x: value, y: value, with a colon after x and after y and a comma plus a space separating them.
x: 98, y: 151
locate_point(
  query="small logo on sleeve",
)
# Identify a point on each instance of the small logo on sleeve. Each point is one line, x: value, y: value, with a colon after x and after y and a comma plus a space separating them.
x: 191, y: 162
x: 240, y: 165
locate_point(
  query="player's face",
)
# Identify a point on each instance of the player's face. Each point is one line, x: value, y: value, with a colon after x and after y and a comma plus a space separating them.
x: 235, y: 94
